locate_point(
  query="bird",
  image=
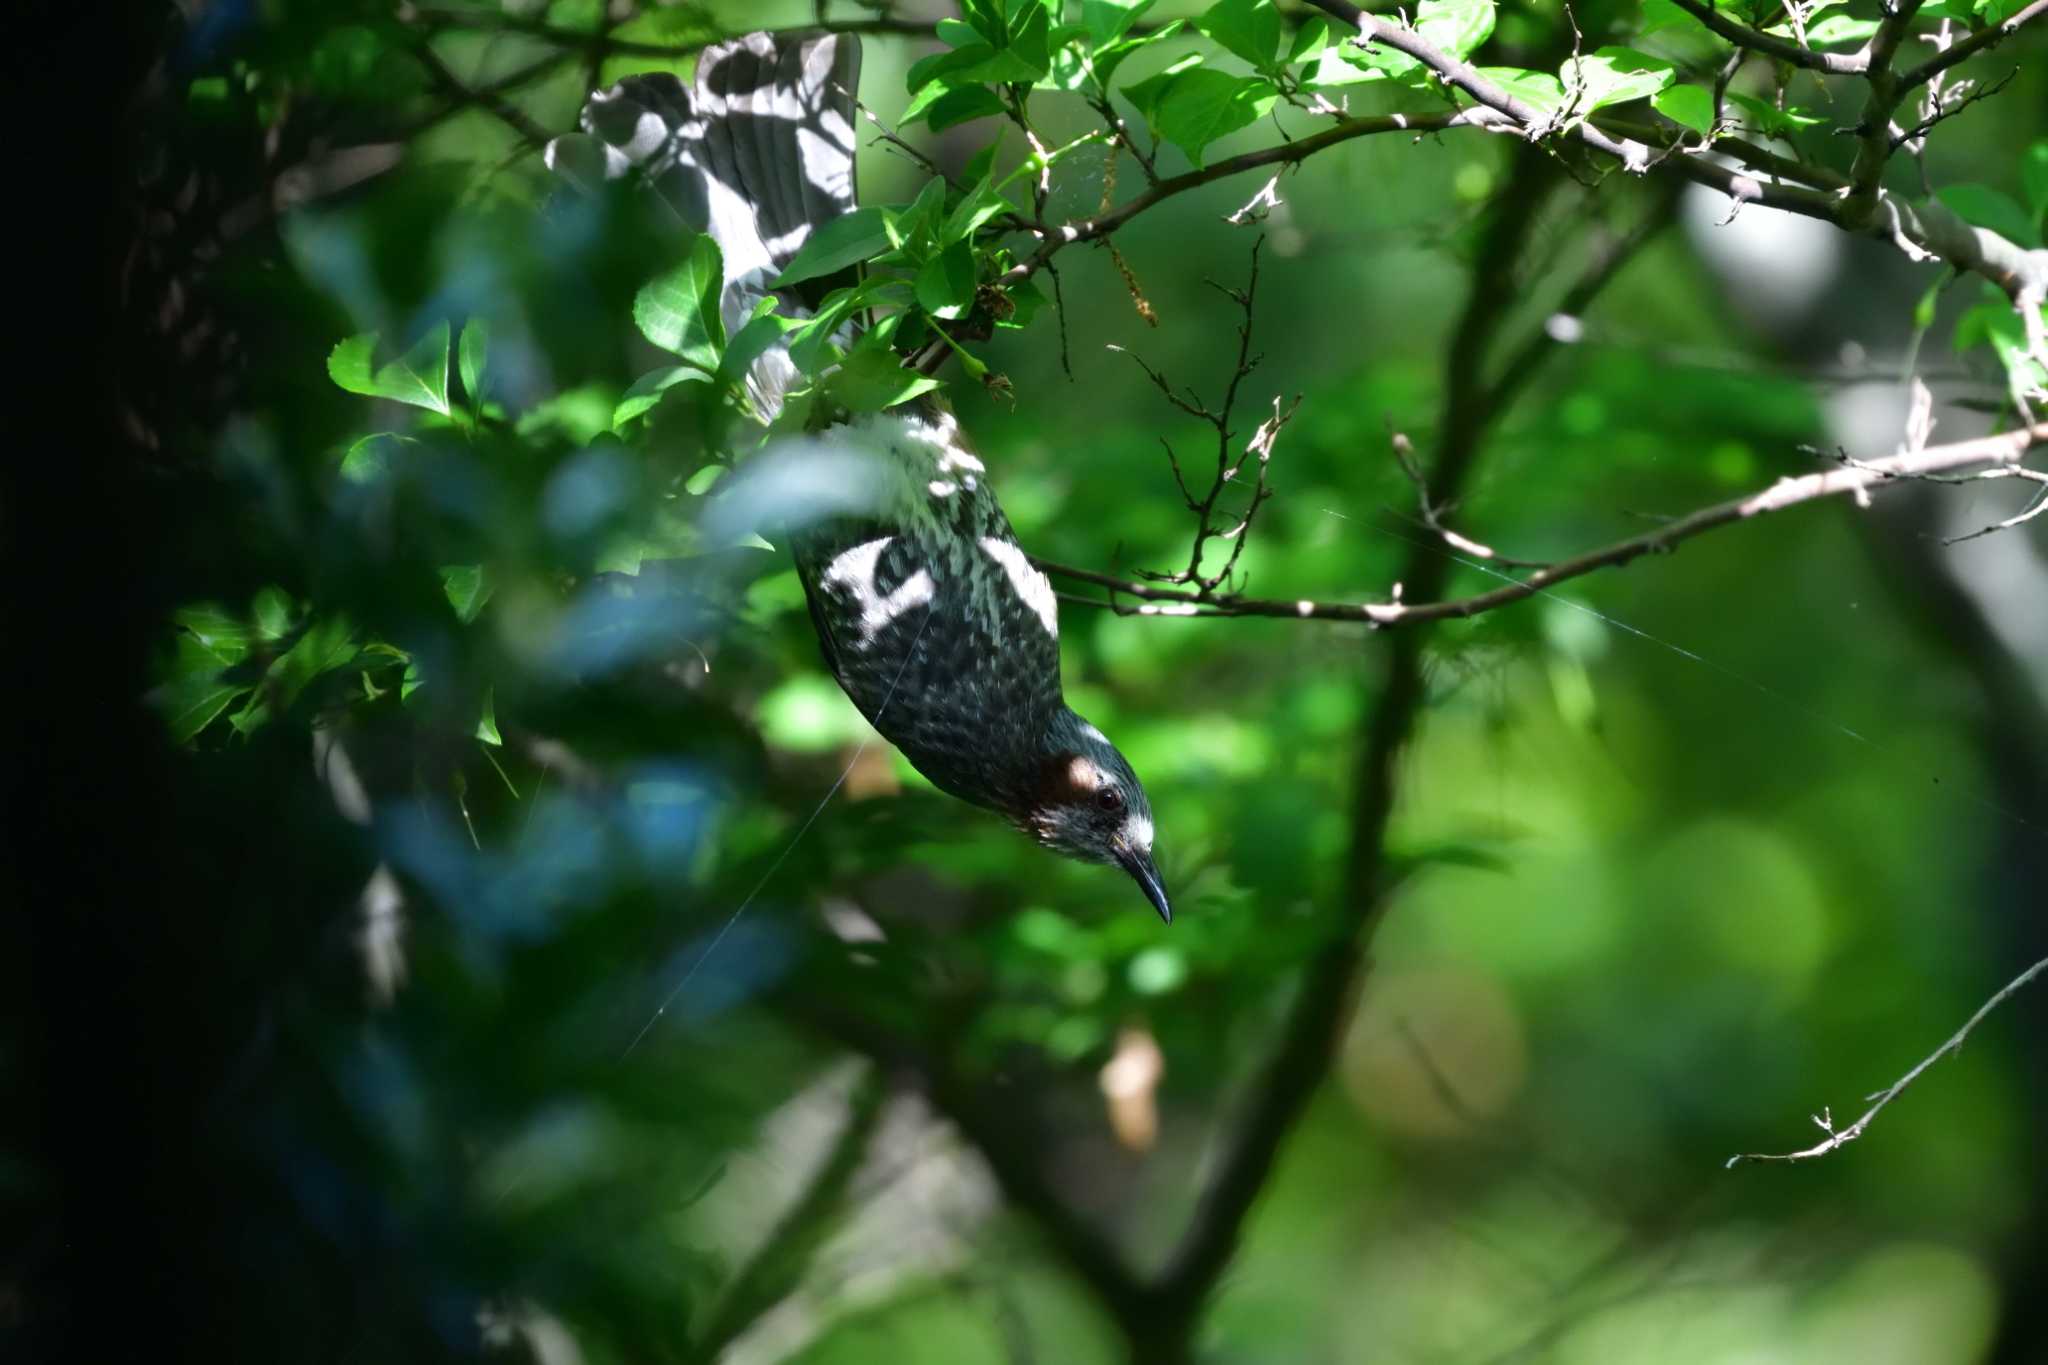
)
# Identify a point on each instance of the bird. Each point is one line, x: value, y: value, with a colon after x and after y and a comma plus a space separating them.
x: 928, y: 612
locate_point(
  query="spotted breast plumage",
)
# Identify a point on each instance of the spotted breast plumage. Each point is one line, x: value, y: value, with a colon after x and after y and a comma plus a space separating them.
x: 928, y: 611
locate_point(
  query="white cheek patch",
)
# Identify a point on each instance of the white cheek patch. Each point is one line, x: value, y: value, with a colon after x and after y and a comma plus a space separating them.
x: 1138, y: 832
x: 854, y: 570
x: 1033, y: 588
x: 1084, y: 776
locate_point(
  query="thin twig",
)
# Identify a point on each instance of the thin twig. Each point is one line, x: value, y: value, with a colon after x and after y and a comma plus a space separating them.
x: 1155, y: 600
x: 1230, y: 462
x: 1841, y: 1137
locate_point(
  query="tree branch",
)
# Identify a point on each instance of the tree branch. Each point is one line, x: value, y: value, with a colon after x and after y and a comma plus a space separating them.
x: 1838, y: 1138
x: 1771, y: 45
x: 1854, y: 477
x: 1970, y: 47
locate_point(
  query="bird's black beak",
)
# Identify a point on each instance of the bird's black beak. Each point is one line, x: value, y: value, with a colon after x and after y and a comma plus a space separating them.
x: 1139, y: 865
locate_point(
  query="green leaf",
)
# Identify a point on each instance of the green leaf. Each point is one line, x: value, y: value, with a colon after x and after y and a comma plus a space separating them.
x: 1662, y: 14
x: 1026, y: 299
x: 1108, y: 20
x: 1687, y: 105
x: 753, y: 341
x: 1108, y: 59
x: 576, y: 415
x: 1997, y: 322
x: 921, y: 219
x: 1981, y: 206
x: 419, y: 377
x: 2034, y: 175
x: 467, y: 589
x: 1768, y: 119
x: 487, y: 724
x: 271, y: 611
x: 1923, y: 311
x: 945, y: 284
x: 370, y: 458
x: 955, y: 33
x: 810, y: 343
x: 1248, y: 28
x: 1310, y: 40
x: 1539, y: 88
x: 646, y: 391
x: 982, y: 203
x: 1030, y: 38
x: 326, y: 645
x: 1200, y: 105
x: 1457, y: 26
x: 1833, y: 31
x: 472, y: 355
x: 1616, y: 75
x: 1144, y: 95
x: 960, y: 106
x: 873, y: 378
x: 224, y: 639
x: 678, y: 310
x: 845, y: 241
x: 194, y: 701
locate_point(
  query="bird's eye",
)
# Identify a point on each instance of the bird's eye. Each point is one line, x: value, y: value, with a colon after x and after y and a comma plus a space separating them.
x: 1109, y: 800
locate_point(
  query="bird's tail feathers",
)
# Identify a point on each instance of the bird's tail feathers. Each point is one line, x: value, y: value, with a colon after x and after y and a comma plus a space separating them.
x: 759, y: 153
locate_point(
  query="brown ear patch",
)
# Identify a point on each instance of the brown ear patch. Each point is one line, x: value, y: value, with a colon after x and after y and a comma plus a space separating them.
x: 1067, y: 778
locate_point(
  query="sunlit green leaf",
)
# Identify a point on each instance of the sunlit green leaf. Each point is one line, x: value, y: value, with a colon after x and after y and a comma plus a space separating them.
x: 1456, y: 26
x: 679, y: 309
x: 845, y: 241
x: 487, y: 725
x: 1615, y: 75
x: 194, y: 701
x: 1248, y: 28
x: 1200, y: 106
x: 1688, y: 105
x: 872, y: 378
x: 1310, y: 40
x: 1538, y: 88
x: 467, y: 588
x: 271, y: 610
x: 646, y: 391
x: 1107, y: 20
x: 419, y: 377
x: 945, y: 284
x: 1769, y: 119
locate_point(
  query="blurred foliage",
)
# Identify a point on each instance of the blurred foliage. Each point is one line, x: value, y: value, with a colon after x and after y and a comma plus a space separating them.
x: 449, y: 617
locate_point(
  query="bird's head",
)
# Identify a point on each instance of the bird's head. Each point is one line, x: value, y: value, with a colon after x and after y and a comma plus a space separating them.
x: 1088, y: 804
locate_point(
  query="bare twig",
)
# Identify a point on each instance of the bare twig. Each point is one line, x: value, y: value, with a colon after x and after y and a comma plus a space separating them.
x: 1841, y: 1137
x: 1943, y: 110
x: 1230, y: 462
x: 2035, y: 505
